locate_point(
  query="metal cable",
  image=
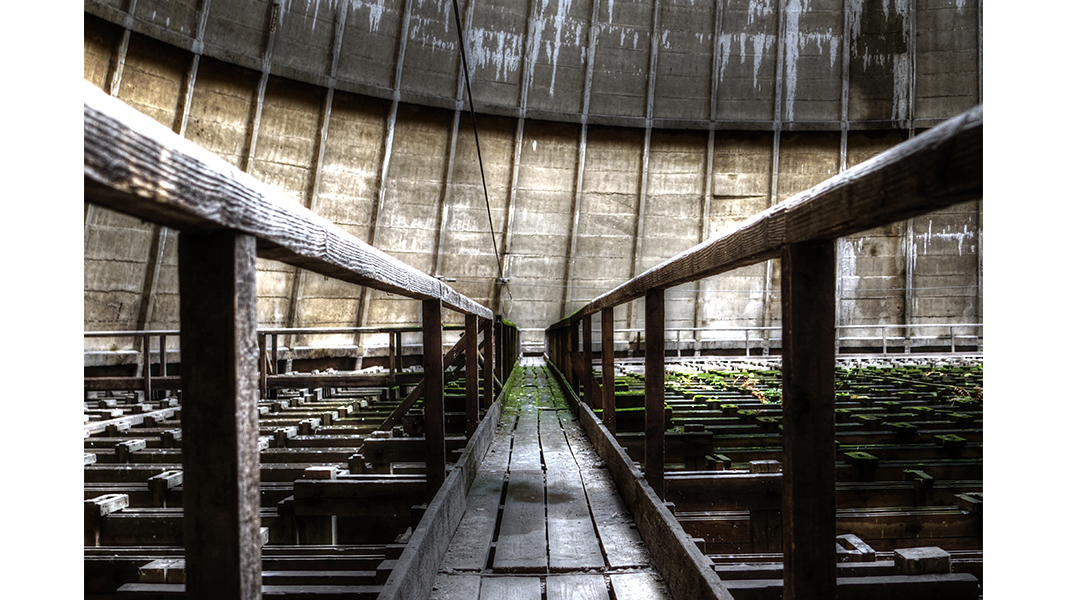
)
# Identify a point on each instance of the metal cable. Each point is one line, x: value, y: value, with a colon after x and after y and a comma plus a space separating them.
x: 477, y: 141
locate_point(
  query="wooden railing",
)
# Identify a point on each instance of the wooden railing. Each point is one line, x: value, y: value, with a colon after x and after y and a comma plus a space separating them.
x: 226, y: 219
x: 934, y: 170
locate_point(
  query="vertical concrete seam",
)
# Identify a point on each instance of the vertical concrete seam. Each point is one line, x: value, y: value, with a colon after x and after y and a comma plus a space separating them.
x: 390, y: 132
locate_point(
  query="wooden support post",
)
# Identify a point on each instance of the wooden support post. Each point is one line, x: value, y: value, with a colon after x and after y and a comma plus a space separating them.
x: 592, y: 396
x: 489, y: 388
x: 809, y: 452
x: 498, y: 340
x: 572, y: 355
x: 607, y: 352
x: 162, y: 355
x: 392, y: 367
x: 219, y: 422
x: 433, y: 367
x: 471, y: 376
x: 146, y: 358
x: 655, y: 390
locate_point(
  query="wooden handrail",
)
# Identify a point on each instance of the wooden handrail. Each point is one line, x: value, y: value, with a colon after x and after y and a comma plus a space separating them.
x: 934, y: 170
x: 136, y: 166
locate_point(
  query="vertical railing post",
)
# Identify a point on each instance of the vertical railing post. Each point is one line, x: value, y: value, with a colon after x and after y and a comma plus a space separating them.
x: 951, y: 330
x: 262, y: 366
x: 884, y: 340
x: 498, y: 340
x: 146, y: 357
x: 471, y: 377
x: 607, y: 352
x: 747, y: 343
x: 391, y: 393
x: 809, y: 451
x: 433, y: 369
x: 219, y: 421
x: 655, y: 390
x: 162, y: 355
x: 590, y: 396
x: 488, y: 393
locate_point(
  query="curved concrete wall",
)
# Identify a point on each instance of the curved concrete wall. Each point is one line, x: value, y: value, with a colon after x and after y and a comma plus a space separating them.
x: 614, y: 134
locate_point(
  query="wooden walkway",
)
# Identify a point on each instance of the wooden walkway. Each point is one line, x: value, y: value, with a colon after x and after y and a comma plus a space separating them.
x: 543, y: 518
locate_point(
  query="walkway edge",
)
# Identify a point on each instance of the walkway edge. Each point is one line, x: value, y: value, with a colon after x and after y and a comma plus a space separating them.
x: 686, y: 571
x: 416, y: 569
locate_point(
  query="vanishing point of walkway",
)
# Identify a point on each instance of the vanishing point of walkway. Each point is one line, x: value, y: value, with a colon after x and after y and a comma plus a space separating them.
x: 543, y: 518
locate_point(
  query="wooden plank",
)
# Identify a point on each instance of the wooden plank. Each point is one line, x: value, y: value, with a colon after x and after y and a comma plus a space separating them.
x: 890, y: 187
x: 456, y: 587
x: 511, y: 588
x: 572, y: 541
x: 522, y: 543
x: 433, y: 367
x: 618, y: 536
x: 219, y: 420
x: 576, y: 587
x: 138, y: 167
x: 808, y: 279
x: 683, y: 566
x: 639, y: 586
x: 655, y: 390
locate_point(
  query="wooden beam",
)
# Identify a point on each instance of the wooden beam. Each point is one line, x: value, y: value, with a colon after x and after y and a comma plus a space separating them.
x: 655, y: 390
x: 473, y: 412
x: 449, y: 360
x: 890, y: 187
x: 433, y: 367
x: 607, y: 353
x: 809, y: 449
x: 135, y: 166
x: 219, y: 421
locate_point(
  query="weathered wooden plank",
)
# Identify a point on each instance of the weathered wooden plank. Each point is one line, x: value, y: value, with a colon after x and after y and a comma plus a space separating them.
x: 522, y: 544
x: 219, y: 420
x: 576, y: 587
x: 890, y: 187
x: 682, y: 565
x: 511, y: 588
x: 808, y: 279
x: 456, y: 587
x: 639, y: 586
x: 138, y: 167
x: 572, y: 542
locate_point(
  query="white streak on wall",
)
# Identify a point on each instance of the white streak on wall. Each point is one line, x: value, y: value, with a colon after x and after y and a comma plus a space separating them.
x: 849, y: 280
x: 759, y: 8
x: 959, y: 238
x: 497, y: 49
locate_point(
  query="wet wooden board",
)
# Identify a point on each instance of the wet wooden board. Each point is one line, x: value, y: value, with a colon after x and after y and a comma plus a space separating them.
x: 577, y: 587
x: 639, y: 586
x: 455, y: 587
x: 522, y: 545
x: 572, y: 542
x: 510, y: 588
x: 617, y: 532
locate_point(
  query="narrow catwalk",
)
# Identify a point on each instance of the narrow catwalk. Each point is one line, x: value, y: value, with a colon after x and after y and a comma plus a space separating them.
x: 543, y: 518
